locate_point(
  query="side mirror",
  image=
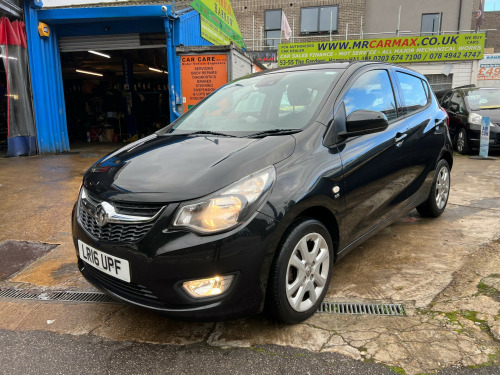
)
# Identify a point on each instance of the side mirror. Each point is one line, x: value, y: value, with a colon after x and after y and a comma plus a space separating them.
x: 364, y: 122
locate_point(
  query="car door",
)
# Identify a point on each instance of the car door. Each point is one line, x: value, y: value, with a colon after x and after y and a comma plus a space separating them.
x: 374, y: 165
x: 426, y: 129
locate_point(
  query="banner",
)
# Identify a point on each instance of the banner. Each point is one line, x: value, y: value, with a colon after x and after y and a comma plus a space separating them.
x: 489, y: 68
x: 201, y: 75
x: 220, y: 14
x: 394, y: 50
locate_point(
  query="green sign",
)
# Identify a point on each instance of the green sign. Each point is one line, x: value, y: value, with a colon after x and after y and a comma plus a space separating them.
x: 220, y: 14
x: 394, y: 50
x: 213, y: 34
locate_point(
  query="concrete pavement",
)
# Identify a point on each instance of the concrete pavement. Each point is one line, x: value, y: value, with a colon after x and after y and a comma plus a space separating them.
x: 445, y: 271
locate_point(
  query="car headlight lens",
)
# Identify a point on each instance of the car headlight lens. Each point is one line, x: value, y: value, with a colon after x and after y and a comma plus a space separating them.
x: 475, y: 121
x: 228, y: 207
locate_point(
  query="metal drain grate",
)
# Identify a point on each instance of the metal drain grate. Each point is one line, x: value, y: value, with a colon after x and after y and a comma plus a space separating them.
x: 57, y: 296
x: 386, y: 309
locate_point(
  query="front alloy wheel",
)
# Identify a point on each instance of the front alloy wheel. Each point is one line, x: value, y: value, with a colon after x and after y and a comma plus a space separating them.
x: 462, y: 142
x: 301, y: 272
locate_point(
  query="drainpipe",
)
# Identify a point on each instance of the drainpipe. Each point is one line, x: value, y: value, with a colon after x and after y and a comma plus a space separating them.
x: 459, y: 15
x: 173, y: 95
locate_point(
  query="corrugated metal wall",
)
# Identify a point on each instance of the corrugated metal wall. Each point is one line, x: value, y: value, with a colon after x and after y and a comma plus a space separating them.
x: 187, y: 32
x: 47, y: 85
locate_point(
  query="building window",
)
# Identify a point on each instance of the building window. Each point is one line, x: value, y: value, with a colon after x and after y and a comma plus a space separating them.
x: 431, y: 24
x: 273, y: 28
x: 318, y: 19
x: 440, y: 81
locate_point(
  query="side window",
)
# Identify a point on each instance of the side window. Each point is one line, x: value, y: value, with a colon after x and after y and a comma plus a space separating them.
x: 414, y: 93
x: 457, y: 103
x: 372, y: 91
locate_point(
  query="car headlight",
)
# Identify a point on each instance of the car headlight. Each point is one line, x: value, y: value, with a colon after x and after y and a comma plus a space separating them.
x: 475, y: 121
x: 229, y: 207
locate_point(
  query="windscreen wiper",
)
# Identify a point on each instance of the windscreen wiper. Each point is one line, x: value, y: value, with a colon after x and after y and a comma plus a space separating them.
x: 209, y: 132
x: 265, y: 133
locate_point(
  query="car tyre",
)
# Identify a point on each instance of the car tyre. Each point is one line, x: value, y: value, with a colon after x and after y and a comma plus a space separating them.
x: 462, y: 143
x: 301, y: 272
x: 440, y: 190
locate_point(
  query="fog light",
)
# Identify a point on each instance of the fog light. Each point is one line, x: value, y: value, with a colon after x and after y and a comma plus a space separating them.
x: 213, y: 286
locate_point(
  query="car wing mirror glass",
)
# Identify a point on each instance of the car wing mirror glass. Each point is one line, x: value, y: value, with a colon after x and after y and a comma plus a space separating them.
x: 364, y: 122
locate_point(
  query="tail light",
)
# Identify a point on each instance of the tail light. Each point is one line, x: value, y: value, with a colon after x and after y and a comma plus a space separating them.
x: 447, y: 117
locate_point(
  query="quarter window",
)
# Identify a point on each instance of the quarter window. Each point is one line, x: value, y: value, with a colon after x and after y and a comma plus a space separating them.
x: 372, y: 91
x: 431, y: 24
x: 273, y: 27
x: 414, y: 92
x: 318, y: 19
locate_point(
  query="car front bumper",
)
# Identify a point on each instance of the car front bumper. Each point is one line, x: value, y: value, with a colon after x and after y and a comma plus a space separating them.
x: 162, y: 260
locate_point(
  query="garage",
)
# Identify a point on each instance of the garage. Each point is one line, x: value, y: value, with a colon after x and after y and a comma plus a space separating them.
x: 106, y: 73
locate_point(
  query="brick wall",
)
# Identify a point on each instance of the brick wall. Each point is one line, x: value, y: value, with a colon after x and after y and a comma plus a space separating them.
x: 491, y: 21
x: 349, y: 12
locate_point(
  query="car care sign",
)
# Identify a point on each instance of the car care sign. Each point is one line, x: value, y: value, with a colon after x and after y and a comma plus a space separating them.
x: 484, y: 141
x: 395, y: 50
x: 201, y: 75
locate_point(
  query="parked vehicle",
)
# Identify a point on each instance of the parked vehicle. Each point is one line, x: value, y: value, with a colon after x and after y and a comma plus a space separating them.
x: 248, y: 199
x: 466, y: 106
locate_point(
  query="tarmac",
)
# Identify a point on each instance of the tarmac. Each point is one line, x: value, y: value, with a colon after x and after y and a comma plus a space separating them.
x: 445, y: 272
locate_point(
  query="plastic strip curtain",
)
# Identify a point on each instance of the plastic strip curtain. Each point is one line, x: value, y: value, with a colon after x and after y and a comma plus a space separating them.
x: 21, y: 131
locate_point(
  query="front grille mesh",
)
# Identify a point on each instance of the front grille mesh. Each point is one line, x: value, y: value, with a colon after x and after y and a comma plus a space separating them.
x: 127, y: 232
x: 130, y: 233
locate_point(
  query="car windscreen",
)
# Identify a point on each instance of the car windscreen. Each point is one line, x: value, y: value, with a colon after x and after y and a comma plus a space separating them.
x: 262, y: 103
x: 483, y: 99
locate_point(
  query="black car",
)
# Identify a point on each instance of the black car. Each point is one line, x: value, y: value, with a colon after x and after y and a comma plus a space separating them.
x: 466, y: 106
x: 247, y: 200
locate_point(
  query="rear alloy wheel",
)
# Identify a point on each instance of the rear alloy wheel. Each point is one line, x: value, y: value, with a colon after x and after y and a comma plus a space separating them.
x: 462, y: 142
x: 440, y: 190
x: 301, y: 272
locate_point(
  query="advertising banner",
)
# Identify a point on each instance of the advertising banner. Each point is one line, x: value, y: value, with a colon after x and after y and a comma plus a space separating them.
x: 220, y: 14
x: 212, y: 34
x: 489, y: 68
x: 394, y: 50
x: 201, y: 75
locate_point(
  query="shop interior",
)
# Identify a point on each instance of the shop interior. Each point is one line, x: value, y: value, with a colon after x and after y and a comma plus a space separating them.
x: 115, y: 95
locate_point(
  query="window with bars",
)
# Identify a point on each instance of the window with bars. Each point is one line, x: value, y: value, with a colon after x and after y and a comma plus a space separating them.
x: 440, y: 81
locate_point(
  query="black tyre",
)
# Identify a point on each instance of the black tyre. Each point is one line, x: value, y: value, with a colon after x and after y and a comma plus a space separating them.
x: 462, y: 142
x: 440, y: 190
x: 300, y: 273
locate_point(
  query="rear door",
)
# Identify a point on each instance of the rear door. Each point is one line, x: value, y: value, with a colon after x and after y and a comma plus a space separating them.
x: 426, y: 133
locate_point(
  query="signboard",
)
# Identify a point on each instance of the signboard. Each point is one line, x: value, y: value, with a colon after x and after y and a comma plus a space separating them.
x: 489, y: 68
x: 395, y: 50
x: 201, y: 75
x: 263, y: 56
x: 220, y: 14
x: 484, y: 141
x: 212, y: 34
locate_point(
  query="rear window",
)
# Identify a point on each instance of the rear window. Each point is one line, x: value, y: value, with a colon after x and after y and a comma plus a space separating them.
x: 415, y: 92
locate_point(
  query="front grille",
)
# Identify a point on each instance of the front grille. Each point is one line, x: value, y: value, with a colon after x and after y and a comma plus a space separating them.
x: 119, y: 232
x: 130, y: 233
x: 133, y: 292
x: 130, y: 208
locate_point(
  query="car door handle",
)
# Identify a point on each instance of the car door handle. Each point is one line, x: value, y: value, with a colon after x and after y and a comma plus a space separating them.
x: 400, y: 137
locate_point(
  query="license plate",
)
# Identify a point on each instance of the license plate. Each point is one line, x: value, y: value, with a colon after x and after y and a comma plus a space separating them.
x: 106, y: 263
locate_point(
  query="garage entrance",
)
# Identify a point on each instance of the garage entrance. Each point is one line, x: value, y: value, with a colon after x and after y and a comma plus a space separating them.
x: 125, y: 95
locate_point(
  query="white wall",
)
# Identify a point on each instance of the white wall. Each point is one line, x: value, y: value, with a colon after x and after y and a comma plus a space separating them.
x: 462, y: 71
